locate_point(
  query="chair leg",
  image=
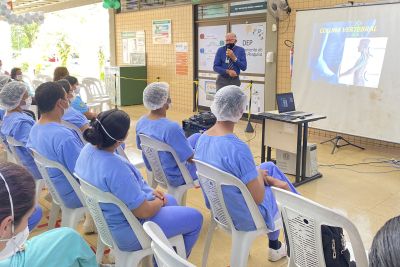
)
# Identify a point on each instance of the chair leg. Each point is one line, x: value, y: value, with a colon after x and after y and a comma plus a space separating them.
x: 241, y: 243
x: 71, y: 217
x: 53, y: 214
x: 207, y: 243
x: 100, y: 250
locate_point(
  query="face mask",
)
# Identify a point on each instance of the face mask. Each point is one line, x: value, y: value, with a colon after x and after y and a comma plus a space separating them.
x: 77, y: 90
x: 230, y: 46
x: 18, y: 77
x: 28, y: 103
x: 15, y: 244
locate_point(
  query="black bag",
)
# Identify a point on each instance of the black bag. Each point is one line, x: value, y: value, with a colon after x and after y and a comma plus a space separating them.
x: 335, y: 252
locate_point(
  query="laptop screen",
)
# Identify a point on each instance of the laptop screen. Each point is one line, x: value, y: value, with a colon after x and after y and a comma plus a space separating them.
x: 285, y: 102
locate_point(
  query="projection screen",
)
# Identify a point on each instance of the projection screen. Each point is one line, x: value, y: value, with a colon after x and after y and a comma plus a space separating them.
x: 347, y: 67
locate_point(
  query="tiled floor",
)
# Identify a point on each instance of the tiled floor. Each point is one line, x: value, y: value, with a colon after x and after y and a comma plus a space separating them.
x: 368, y: 199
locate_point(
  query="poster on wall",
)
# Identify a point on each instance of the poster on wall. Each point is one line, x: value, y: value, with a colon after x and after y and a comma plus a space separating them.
x: 207, y: 90
x: 251, y: 37
x: 210, y: 38
x: 162, y: 32
x: 182, y: 58
x: 133, y: 48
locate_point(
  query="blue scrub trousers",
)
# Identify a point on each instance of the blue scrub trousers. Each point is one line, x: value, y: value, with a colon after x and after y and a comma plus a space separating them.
x: 275, y: 172
x: 178, y: 220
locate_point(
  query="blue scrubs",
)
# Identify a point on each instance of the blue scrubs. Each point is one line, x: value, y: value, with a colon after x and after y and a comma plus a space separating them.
x: 2, y: 113
x: 57, y: 247
x: 58, y: 143
x: 230, y: 154
x: 75, y: 117
x: 79, y: 105
x: 18, y: 125
x: 172, y: 134
x: 112, y: 173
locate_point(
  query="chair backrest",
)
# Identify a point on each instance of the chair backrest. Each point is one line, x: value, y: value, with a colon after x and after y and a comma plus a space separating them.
x: 211, y: 180
x: 94, y: 87
x: 43, y: 165
x: 100, y: 87
x: 44, y: 78
x: 164, y: 253
x: 13, y: 144
x: 303, y: 219
x: 93, y: 197
x: 150, y: 148
x: 36, y: 83
x: 76, y: 129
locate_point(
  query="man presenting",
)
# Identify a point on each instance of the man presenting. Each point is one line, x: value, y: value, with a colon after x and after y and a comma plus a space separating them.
x: 229, y: 61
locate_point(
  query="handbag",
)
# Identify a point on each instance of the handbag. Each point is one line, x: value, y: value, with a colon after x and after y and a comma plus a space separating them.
x: 334, y: 244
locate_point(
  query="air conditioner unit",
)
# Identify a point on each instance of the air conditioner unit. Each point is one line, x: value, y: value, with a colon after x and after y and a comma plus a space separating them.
x: 286, y: 161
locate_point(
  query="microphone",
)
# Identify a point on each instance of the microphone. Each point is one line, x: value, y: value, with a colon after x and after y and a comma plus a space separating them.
x: 227, y: 58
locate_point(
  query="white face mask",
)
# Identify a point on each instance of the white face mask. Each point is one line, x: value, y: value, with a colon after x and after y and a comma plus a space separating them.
x: 18, y: 77
x: 77, y: 90
x: 28, y: 103
x: 15, y: 244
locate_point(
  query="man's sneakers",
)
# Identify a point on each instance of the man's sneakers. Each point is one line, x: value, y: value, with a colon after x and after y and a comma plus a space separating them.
x: 277, y: 254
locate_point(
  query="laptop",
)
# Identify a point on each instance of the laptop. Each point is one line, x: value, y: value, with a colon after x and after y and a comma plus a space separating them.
x: 286, y: 105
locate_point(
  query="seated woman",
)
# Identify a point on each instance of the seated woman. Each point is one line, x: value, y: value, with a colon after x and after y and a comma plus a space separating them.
x: 156, y: 99
x: 60, y: 73
x: 385, y: 248
x: 71, y: 115
x: 219, y: 147
x: 17, y: 203
x: 101, y: 167
x: 56, y: 142
x: 14, y: 98
x: 77, y: 103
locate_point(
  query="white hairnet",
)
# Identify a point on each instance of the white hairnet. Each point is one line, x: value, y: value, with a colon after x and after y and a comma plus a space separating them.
x: 155, y: 95
x: 11, y: 95
x: 3, y: 80
x: 229, y: 103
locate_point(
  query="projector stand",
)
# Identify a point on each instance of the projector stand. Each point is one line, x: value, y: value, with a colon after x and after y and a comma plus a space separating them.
x: 335, y: 142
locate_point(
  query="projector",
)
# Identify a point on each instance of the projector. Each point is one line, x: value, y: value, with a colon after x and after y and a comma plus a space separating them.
x: 286, y: 161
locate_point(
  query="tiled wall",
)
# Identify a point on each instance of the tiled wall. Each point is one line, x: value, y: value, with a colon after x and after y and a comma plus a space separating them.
x: 286, y: 32
x: 161, y: 59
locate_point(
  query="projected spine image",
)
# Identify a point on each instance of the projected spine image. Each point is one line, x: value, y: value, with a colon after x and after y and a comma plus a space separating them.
x: 362, y: 68
x: 348, y: 53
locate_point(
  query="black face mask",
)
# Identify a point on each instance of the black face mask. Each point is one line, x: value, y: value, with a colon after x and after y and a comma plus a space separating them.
x: 230, y: 46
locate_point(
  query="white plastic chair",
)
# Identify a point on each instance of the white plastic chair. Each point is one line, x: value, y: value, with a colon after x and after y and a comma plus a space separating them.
x: 44, y: 78
x: 164, y: 253
x: 212, y: 180
x: 36, y: 83
x: 303, y: 219
x: 151, y: 148
x: 69, y: 217
x: 95, y: 92
x: 76, y: 129
x: 135, y: 157
x: 13, y: 144
x: 93, y: 197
